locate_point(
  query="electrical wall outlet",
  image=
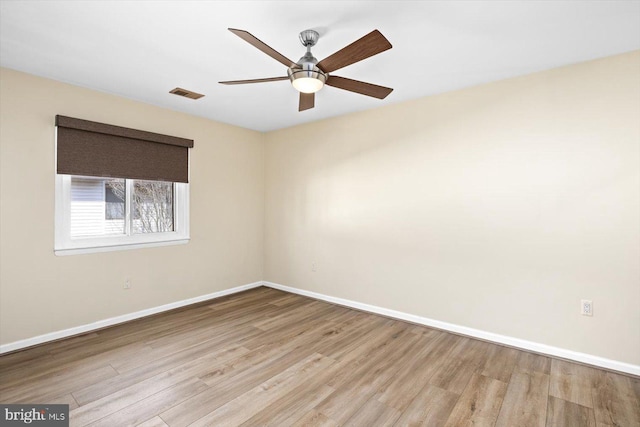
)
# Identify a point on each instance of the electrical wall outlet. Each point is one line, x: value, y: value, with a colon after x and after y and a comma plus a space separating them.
x: 586, y: 307
x: 127, y: 284
x: 313, y: 266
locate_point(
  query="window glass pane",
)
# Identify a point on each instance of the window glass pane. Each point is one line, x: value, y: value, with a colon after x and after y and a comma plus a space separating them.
x: 97, y: 206
x: 152, y: 207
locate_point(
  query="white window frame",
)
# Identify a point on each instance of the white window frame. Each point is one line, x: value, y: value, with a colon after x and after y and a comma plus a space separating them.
x: 66, y: 245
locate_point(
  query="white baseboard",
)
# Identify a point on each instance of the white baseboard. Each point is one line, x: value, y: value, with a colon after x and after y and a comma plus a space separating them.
x: 52, y: 336
x: 475, y: 333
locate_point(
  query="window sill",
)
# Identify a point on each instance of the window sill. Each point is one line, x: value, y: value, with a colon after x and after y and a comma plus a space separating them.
x: 119, y: 247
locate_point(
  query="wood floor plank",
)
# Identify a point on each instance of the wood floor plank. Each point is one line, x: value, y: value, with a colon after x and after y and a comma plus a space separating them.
x: 268, y: 358
x: 367, y: 379
x: 45, y: 368
x: 244, y: 299
x: 361, y: 332
x: 233, y: 382
x: 368, y: 349
x: 315, y: 419
x: 289, y: 408
x: 291, y: 329
x: 305, y: 341
x: 111, y: 385
x: 185, y: 351
x: 153, y: 422
x: 500, y: 363
x: 414, y: 374
x: 525, y: 402
x: 25, y: 358
x: 304, y: 400
x: 561, y: 413
x: 207, y: 329
x: 423, y: 330
x: 635, y: 385
x: 286, y: 300
x: 243, y: 407
x: 71, y: 343
x: 479, y: 404
x: 66, y: 399
x: 124, y: 397
x: 466, y: 357
x: 50, y: 387
x: 530, y: 363
x: 374, y: 413
x: 572, y: 382
x: 615, y: 401
x: 431, y: 407
x: 141, y: 410
x: 303, y: 311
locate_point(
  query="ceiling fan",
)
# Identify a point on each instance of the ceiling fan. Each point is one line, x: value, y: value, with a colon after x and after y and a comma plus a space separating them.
x: 309, y: 76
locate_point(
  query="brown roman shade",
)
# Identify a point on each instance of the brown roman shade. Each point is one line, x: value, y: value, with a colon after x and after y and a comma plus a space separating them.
x: 96, y: 149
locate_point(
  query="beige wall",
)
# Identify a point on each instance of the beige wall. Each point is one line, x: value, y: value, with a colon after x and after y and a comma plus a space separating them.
x: 40, y: 292
x: 497, y: 207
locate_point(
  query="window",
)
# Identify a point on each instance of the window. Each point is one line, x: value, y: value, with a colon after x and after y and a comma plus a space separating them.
x: 96, y: 207
x: 107, y: 213
x: 97, y: 213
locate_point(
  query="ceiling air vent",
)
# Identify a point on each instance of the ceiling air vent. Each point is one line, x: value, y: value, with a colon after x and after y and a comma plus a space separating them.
x: 186, y: 93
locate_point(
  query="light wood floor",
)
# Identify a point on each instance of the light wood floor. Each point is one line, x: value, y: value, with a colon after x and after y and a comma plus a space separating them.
x: 265, y: 357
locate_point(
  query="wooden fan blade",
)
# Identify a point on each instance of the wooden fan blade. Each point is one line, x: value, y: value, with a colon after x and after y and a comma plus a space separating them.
x: 241, y: 82
x: 357, y: 86
x: 255, y: 42
x: 307, y: 101
x: 369, y: 45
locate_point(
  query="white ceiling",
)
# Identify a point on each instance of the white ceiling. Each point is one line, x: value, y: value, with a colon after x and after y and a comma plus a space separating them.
x: 143, y: 49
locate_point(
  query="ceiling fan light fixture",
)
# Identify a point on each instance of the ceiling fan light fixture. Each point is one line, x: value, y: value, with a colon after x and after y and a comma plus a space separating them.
x: 307, y: 81
x: 307, y: 84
